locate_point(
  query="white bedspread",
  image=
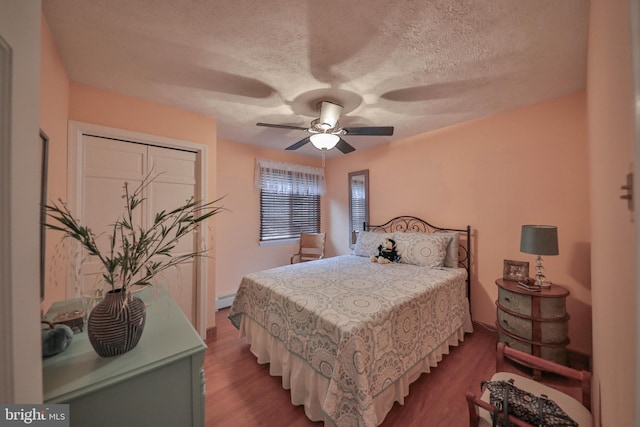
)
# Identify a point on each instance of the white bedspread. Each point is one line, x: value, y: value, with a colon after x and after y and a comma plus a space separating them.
x: 366, y: 329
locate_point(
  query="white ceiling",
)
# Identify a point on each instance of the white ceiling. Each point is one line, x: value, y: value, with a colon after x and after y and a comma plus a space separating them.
x: 416, y: 65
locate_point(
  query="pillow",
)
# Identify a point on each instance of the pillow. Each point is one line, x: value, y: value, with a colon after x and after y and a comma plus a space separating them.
x: 423, y: 249
x: 368, y: 242
x: 451, y: 259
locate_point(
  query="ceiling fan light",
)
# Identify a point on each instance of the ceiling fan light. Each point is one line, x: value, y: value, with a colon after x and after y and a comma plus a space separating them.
x: 324, y: 140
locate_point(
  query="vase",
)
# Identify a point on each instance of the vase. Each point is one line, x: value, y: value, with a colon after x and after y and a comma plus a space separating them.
x: 116, y: 323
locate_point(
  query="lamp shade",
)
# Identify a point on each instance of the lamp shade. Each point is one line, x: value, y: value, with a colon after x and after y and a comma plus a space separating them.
x: 324, y: 140
x: 539, y: 239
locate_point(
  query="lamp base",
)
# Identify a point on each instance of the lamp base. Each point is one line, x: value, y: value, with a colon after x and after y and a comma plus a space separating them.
x: 543, y: 285
x: 541, y: 281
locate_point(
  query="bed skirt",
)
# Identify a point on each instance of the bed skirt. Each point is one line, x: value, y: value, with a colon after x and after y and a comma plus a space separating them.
x: 309, y: 388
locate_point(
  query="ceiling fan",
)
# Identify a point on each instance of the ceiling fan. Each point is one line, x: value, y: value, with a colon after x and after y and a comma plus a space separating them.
x: 326, y: 132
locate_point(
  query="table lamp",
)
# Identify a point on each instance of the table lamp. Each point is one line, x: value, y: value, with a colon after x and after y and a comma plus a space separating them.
x: 539, y: 240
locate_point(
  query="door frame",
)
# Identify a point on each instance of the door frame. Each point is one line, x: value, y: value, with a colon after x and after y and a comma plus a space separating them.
x: 76, y: 131
x: 634, y: 31
x: 6, y: 322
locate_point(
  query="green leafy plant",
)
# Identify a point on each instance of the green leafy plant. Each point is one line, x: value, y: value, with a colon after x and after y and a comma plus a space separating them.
x: 135, y: 255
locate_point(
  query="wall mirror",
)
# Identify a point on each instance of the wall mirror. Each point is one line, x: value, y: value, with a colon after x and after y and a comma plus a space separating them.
x: 358, y: 203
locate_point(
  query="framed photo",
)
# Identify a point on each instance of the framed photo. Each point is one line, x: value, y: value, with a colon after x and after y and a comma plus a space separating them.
x: 515, y: 270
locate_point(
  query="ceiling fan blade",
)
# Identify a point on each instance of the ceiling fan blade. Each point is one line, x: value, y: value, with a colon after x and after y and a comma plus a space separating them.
x: 330, y: 113
x: 269, y: 125
x: 344, y: 146
x: 370, y: 130
x: 298, y: 144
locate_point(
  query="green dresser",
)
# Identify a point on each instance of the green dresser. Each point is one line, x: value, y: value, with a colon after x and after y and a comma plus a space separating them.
x: 533, y: 322
x: 158, y: 383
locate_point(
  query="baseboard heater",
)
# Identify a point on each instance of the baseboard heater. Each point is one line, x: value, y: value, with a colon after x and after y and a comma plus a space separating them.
x: 225, y: 301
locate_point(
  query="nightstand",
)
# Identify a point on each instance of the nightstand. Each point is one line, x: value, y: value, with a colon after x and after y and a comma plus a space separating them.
x: 535, y: 322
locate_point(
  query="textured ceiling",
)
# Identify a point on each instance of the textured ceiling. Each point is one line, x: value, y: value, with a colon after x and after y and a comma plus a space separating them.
x: 416, y: 65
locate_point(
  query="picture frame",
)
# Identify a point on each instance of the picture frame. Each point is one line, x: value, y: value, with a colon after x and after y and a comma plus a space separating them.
x: 515, y: 270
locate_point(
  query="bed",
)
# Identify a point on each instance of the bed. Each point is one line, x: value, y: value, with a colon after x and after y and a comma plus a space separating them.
x: 347, y: 335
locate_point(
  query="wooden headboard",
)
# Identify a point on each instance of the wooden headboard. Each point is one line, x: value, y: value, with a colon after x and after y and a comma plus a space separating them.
x: 411, y: 223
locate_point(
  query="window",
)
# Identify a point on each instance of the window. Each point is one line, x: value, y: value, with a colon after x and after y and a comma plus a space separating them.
x: 289, y: 199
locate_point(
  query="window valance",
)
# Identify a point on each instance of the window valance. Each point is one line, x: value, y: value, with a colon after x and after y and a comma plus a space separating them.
x: 288, y: 178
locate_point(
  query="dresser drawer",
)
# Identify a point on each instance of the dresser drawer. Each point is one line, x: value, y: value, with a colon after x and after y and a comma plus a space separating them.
x: 517, y: 344
x: 550, y: 308
x: 556, y: 353
x: 550, y: 332
x: 515, y: 302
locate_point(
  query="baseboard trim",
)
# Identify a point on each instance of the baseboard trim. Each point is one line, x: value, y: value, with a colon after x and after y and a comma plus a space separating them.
x: 225, y: 301
x: 490, y: 328
x: 211, y: 334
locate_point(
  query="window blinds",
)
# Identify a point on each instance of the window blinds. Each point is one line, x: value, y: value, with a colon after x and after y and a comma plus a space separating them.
x: 289, y: 199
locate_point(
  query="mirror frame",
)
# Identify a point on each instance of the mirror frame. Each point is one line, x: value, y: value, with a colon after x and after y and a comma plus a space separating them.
x: 352, y: 231
x: 44, y: 171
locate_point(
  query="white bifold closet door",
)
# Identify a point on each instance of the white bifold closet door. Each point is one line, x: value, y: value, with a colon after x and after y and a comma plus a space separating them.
x: 106, y: 165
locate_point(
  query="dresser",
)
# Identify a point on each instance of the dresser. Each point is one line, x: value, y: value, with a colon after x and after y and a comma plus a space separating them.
x: 158, y: 383
x: 535, y: 322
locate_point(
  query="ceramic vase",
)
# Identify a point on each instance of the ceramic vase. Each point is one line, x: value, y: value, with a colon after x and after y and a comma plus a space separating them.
x: 116, y: 323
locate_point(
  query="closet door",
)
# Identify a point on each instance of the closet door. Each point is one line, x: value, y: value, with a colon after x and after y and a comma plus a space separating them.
x: 175, y: 184
x: 106, y: 165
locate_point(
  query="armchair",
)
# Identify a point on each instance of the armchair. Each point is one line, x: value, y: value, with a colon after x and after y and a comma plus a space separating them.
x: 311, y: 247
x: 568, y: 387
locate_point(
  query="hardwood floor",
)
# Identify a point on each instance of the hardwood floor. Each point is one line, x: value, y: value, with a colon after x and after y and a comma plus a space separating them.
x: 241, y: 393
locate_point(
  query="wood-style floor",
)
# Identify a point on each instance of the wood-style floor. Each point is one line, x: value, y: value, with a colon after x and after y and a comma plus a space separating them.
x: 241, y: 393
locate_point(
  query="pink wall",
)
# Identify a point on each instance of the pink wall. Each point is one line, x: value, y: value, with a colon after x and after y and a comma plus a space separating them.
x: 238, y: 234
x: 54, y: 107
x: 614, y: 253
x: 91, y: 105
x: 527, y: 166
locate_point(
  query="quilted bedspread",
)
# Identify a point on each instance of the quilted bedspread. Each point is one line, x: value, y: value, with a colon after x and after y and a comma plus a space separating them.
x: 362, y: 325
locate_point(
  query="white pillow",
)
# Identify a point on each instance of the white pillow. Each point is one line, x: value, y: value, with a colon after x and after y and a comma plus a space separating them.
x: 451, y: 259
x: 423, y: 249
x: 368, y: 242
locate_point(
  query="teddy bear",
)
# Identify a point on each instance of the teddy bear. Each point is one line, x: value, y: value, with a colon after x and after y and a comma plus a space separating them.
x: 387, y: 252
